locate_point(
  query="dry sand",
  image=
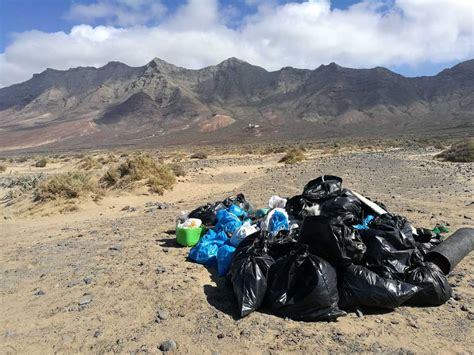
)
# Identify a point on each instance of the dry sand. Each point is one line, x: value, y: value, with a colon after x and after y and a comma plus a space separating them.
x: 94, y: 280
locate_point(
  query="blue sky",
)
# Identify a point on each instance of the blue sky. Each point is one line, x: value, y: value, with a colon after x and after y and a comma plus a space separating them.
x: 411, y: 37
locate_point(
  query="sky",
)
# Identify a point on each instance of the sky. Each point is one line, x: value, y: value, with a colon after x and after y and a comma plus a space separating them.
x: 410, y: 37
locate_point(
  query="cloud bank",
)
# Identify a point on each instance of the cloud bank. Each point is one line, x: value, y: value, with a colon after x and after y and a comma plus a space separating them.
x: 369, y: 33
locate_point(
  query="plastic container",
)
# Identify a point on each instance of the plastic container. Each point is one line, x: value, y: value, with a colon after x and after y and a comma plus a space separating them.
x: 189, y: 237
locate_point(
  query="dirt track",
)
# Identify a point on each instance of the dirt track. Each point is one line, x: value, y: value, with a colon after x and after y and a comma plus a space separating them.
x: 95, y: 280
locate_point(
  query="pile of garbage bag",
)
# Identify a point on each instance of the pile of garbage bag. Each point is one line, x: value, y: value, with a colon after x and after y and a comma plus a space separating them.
x: 315, y: 256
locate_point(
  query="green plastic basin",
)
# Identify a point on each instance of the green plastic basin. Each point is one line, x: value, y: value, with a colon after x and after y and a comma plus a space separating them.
x: 188, y: 237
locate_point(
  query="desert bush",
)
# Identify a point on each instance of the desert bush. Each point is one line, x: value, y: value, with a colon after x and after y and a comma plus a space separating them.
x: 89, y: 163
x: 178, y: 169
x: 112, y: 158
x: 41, y: 163
x: 293, y: 155
x: 280, y: 149
x: 2, y: 168
x: 178, y: 156
x: 23, y: 182
x: 199, y: 155
x: 159, y: 177
x: 67, y: 185
x: 461, y: 152
x: 21, y: 159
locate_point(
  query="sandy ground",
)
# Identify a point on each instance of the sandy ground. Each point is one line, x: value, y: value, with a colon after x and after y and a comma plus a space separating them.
x: 94, y: 280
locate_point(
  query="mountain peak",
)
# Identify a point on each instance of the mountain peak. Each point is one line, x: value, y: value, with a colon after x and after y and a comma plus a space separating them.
x: 114, y: 63
x: 232, y: 61
x: 161, y: 65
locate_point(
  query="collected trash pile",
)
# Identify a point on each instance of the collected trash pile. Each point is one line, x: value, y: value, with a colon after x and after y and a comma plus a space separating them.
x: 312, y: 256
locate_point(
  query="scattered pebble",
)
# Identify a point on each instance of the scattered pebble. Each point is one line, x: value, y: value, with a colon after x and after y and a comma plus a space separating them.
x: 39, y: 292
x: 129, y: 209
x: 162, y: 314
x: 116, y: 247
x: 88, y: 279
x: 168, y: 345
x: 85, y: 300
x: 160, y: 269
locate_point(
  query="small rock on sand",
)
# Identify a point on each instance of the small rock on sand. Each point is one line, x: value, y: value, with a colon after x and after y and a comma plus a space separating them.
x: 168, y: 345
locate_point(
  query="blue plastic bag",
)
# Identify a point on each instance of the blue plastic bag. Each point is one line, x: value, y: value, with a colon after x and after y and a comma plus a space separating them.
x: 227, y: 222
x: 236, y: 210
x: 365, y: 223
x: 224, y: 259
x: 275, y: 221
x: 205, y: 252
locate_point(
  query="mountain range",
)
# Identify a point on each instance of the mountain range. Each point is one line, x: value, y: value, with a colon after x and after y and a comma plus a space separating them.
x: 233, y: 101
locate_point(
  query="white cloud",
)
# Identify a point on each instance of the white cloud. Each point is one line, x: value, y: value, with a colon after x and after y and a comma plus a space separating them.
x: 370, y: 33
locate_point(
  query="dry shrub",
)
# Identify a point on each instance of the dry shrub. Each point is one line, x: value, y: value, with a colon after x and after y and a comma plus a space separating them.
x: 293, y: 155
x: 199, y: 155
x: 89, y: 163
x: 41, y: 163
x: 69, y: 206
x: 462, y: 152
x: 158, y: 177
x: 280, y: 149
x: 112, y: 158
x: 178, y: 169
x: 178, y: 157
x: 21, y: 159
x: 2, y: 168
x: 67, y: 185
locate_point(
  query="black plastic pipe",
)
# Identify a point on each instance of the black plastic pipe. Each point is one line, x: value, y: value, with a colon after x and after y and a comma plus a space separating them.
x: 451, y: 251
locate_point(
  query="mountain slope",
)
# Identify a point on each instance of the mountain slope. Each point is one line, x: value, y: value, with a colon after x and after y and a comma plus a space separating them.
x: 119, y: 104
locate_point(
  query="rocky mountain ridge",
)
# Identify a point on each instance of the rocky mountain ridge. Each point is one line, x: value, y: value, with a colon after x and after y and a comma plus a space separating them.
x: 233, y: 100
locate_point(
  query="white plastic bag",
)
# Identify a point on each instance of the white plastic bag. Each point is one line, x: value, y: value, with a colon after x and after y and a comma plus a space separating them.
x: 190, y: 223
x: 277, y: 202
x: 242, y: 232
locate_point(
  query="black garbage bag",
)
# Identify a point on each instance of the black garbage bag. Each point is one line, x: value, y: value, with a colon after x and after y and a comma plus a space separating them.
x: 296, y: 205
x: 424, y: 235
x: 434, y: 285
x: 426, y: 240
x: 331, y: 240
x: 393, y: 228
x: 346, y: 208
x: 283, y: 243
x: 238, y: 200
x: 322, y: 188
x: 304, y: 287
x: 383, y: 258
x: 359, y: 286
x: 391, y: 248
x: 250, y: 267
x: 206, y: 213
